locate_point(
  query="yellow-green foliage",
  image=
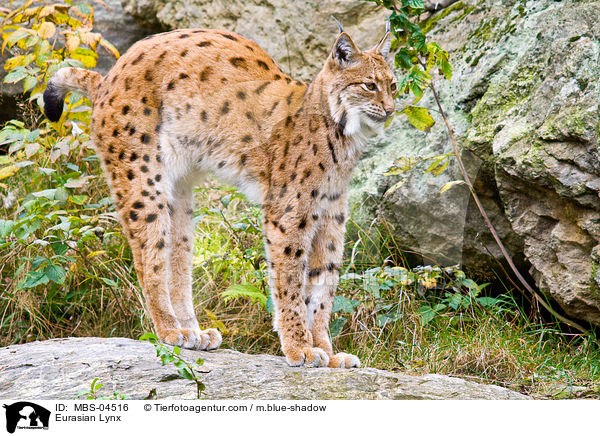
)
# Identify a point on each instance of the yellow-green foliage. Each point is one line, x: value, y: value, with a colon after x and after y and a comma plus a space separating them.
x: 43, y: 37
x: 60, y: 238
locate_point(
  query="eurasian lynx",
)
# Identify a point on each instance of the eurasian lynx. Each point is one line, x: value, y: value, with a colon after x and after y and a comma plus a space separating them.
x: 181, y: 104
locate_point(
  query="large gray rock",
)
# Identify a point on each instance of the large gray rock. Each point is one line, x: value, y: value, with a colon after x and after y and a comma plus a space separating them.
x: 524, y: 104
x: 58, y: 369
x: 541, y: 119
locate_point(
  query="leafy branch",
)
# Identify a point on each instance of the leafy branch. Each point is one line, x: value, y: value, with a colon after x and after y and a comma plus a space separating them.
x: 186, y: 370
x: 43, y: 38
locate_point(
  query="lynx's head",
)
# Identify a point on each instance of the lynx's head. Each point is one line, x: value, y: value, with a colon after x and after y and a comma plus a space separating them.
x: 361, y: 86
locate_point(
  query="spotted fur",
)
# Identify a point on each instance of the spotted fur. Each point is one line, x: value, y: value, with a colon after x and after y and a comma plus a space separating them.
x: 181, y: 104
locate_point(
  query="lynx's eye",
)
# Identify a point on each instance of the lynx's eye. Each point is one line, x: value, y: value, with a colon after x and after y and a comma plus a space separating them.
x: 370, y: 86
x: 393, y: 88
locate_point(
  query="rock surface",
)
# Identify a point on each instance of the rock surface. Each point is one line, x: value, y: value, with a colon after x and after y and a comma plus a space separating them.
x: 58, y: 369
x: 523, y: 102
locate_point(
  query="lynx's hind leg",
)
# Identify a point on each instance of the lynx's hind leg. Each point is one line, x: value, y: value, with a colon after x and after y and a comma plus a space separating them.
x: 180, y: 263
x: 136, y: 170
x: 324, y: 270
x: 287, y: 260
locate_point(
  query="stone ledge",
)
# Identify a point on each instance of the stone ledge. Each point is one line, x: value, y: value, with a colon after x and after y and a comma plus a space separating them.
x: 59, y: 368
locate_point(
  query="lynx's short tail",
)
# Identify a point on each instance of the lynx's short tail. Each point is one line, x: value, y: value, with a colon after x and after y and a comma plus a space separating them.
x: 65, y: 80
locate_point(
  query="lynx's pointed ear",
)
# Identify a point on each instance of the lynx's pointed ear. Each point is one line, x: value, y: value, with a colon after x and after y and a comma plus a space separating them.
x: 383, y: 48
x: 345, y: 52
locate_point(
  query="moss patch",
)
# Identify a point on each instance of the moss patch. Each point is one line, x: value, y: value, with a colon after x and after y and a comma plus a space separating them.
x: 430, y: 23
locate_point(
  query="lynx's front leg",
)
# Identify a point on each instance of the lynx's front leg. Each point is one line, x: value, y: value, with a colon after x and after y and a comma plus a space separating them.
x: 287, y: 243
x: 324, y: 270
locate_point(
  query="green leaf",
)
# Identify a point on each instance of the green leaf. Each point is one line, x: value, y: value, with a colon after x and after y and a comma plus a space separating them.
x: 395, y: 187
x: 56, y: 273
x: 245, y: 291
x: 403, y: 59
x: 443, y: 64
x: 29, y: 83
x: 61, y: 194
x: 14, y: 37
x: 226, y: 200
x: 33, y: 279
x: 336, y: 326
x: 418, y: 40
x: 488, y: 301
x: 113, y: 284
x: 86, y: 56
x: 23, y: 231
x: 372, y: 286
x: 419, y: 117
x: 78, y: 182
x: 455, y: 301
x: 43, y: 51
x: 416, y: 4
x: 470, y: 284
x: 383, y: 319
x: 46, y: 193
x: 438, y: 166
x: 15, y: 76
x: 150, y: 337
x: 449, y: 185
x: 186, y: 373
x: 166, y: 359
x: 77, y: 199
x: 343, y: 304
x: 95, y: 386
x: 87, y: 10
x: 427, y: 313
x: 351, y: 276
x: 6, y: 227
x: 416, y: 90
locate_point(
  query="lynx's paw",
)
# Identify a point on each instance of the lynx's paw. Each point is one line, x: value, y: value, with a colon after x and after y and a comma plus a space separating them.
x: 194, y: 339
x: 214, y: 339
x: 309, y: 356
x: 344, y: 360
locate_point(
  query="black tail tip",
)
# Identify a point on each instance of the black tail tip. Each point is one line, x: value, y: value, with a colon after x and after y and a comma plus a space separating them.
x: 53, y: 103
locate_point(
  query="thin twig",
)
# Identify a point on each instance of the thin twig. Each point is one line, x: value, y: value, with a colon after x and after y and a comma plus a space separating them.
x: 491, y: 227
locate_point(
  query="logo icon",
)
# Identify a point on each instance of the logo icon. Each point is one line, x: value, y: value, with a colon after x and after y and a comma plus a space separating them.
x: 26, y: 415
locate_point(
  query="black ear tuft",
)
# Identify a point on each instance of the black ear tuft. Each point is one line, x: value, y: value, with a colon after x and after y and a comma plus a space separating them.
x: 344, y: 50
x: 53, y: 102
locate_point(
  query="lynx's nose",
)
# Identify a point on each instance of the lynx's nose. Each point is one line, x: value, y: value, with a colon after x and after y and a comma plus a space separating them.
x: 389, y: 111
